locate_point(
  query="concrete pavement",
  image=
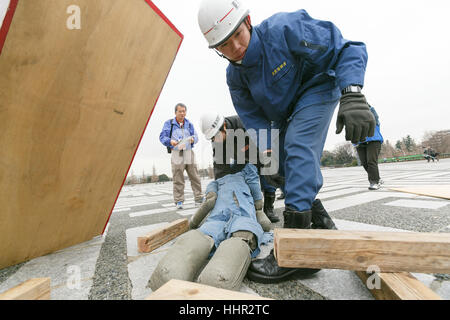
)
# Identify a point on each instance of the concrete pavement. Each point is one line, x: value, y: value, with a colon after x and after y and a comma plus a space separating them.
x: 110, y: 267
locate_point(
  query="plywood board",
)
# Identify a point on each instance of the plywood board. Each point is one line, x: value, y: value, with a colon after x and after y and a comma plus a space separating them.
x: 397, y: 286
x: 33, y: 289
x: 7, y: 9
x: 185, y: 290
x: 157, y: 238
x: 359, y: 250
x: 74, y: 105
x: 437, y: 191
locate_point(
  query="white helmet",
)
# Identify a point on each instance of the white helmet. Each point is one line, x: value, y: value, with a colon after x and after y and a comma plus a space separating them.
x: 211, y: 123
x: 219, y: 19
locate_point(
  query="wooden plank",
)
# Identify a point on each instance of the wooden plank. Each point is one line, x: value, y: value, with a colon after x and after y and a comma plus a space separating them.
x: 33, y: 289
x: 73, y: 107
x: 358, y: 250
x: 158, y: 237
x: 185, y: 290
x: 436, y: 191
x: 398, y: 286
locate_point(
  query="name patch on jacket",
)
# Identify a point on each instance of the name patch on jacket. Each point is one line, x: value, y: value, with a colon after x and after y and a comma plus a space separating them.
x: 281, y: 66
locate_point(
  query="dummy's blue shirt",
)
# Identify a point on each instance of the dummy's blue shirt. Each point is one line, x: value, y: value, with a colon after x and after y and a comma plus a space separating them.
x: 227, y: 216
x: 292, y: 61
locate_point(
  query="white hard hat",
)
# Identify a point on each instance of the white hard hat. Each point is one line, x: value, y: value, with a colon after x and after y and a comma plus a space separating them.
x: 210, y: 124
x: 219, y: 19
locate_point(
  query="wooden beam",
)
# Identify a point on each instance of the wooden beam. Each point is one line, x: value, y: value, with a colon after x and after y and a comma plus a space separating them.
x: 33, y: 289
x: 358, y: 250
x: 440, y: 191
x: 185, y: 290
x: 397, y: 286
x: 157, y: 238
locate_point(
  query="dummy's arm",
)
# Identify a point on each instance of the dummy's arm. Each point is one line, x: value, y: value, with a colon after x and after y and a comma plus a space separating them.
x: 206, y: 207
x: 252, y: 179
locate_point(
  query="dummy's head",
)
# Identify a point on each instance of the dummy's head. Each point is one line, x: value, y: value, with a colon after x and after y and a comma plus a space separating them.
x: 213, y: 126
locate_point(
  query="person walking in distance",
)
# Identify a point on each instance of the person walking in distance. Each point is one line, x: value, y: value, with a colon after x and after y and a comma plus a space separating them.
x: 368, y: 152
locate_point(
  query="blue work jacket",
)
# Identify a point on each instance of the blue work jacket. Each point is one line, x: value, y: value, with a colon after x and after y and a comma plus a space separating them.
x: 178, y: 133
x: 227, y: 216
x: 292, y: 61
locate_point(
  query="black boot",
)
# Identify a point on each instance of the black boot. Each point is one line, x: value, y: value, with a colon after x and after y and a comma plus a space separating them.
x: 320, y: 218
x: 269, y: 199
x: 266, y: 270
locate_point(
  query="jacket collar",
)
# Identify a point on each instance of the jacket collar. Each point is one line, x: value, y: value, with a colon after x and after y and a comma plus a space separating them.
x: 253, y: 54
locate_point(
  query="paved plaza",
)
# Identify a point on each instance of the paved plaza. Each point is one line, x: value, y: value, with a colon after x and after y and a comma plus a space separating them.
x: 110, y: 266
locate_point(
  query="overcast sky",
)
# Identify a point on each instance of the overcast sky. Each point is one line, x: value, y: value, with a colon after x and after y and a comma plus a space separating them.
x: 407, y: 78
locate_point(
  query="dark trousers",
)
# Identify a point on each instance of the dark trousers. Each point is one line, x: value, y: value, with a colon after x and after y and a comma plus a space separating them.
x: 368, y: 154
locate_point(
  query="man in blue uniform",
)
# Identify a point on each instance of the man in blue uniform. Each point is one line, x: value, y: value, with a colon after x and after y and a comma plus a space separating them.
x: 289, y: 73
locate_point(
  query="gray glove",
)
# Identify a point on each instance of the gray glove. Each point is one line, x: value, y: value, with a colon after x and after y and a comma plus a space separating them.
x: 355, y: 114
x: 200, y: 215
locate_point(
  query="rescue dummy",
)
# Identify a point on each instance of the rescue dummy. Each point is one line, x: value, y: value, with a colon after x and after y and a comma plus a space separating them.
x: 224, y: 235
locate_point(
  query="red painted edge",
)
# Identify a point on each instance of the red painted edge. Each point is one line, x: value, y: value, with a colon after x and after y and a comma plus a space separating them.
x: 7, y: 22
x: 155, y: 8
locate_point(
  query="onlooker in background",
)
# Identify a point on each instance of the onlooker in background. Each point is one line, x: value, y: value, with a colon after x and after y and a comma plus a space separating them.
x: 179, y: 136
x: 368, y: 152
x: 430, y: 154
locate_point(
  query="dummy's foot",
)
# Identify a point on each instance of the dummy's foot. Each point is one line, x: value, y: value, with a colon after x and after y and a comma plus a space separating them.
x: 183, y: 260
x: 228, y: 266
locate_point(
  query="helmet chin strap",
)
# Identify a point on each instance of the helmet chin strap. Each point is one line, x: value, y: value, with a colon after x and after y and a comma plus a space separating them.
x: 249, y: 26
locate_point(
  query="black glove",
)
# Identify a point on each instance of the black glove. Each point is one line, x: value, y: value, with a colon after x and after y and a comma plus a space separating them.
x: 269, y: 169
x: 354, y: 112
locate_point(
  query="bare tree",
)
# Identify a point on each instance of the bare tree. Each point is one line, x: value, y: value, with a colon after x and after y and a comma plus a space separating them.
x: 437, y: 140
x: 344, y: 153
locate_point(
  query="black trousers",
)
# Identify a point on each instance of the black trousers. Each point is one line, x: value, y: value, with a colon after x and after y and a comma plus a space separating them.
x: 368, y: 154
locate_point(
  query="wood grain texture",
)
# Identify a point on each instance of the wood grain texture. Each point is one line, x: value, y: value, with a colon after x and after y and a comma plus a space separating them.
x: 357, y: 250
x: 73, y: 108
x: 185, y: 290
x: 398, y: 286
x: 159, y: 237
x: 33, y: 289
x: 436, y: 191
